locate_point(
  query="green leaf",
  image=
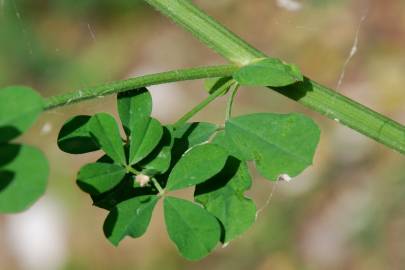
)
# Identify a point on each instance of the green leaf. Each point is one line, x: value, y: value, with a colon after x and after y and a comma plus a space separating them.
x: 159, y: 160
x: 268, y: 72
x: 105, y: 130
x: 222, y: 84
x: 144, y: 139
x: 23, y: 177
x: 224, y: 141
x: 125, y: 190
x: 223, y: 197
x: 131, y: 217
x: 19, y: 108
x: 197, y: 165
x: 195, y: 133
x: 75, y: 137
x: 279, y: 144
x: 190, y: 135
x: 97, y: 178
x: 194, y: 231
x: 134, y: 108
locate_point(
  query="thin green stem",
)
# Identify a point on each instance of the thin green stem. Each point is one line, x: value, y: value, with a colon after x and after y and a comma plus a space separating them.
x: 158, y: 186
x: 229, y: 105
x: 138, y: 82
x: 132, y: 170
x: 309, y: 93
x: 198, y: 108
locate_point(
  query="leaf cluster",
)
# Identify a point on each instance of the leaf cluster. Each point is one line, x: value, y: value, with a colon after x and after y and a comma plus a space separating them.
x: 144, y: 161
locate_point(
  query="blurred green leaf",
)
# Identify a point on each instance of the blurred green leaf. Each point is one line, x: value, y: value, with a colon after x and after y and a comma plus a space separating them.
x: 75, y: 137
x: 19, y: 108
x: 23, y: 177
x: 194, y: 231
x: 279, y: 144
x: 197, y: 165
x: 131, y: 217
x: 268, y: 72
x: 223, y: 197
x: 105, y: 130
x: 97, y: 178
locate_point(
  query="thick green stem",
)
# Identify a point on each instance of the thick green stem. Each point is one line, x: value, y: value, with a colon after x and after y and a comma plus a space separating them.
x: 142, y: 81
x: 311, y: 94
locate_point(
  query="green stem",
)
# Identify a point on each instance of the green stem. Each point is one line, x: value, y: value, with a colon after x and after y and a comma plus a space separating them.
x: 311, y: 94
x: 229, y: 105
x: 132, y: 170
x: 142, y: 81
x: 198, y: 108
x: 158, y: 186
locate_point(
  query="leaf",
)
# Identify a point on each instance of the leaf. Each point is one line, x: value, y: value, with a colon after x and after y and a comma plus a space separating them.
x: 223, y: 197
x: 144, y: 140
x: 23, y: 177
x: 224, y: 141
x: 268, y: 72
x: 131, y: 217
x: 19, y: 108
x: 125, y: 190
x: 159, y: 160
x: 190, y: 135
x: 105, y: 130
x: 194, y: 231
x: 134, y: 108
x: 97, y: 178
x: 197, y: 165
x: 195, y: 133
x: 279, y: 144
x: 222, y: 84
x: 75, y: 137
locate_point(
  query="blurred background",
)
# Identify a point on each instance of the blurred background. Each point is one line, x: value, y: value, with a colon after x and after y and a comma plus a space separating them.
x: 345, y: 212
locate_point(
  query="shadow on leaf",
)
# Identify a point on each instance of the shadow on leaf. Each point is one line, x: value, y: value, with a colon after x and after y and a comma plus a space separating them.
x: 6, y: 177
x: 7, y: 133
x: 8, y: 152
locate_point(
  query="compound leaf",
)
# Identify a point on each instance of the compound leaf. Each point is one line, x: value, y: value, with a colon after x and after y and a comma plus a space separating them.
x: 194, y: 231
x: 19, y: 108
x: 131, y: 217
x: 268, y: 72
x: 279, y: 144
x: 97, y: 178
x: 223, y: 197
x: 105, y: 131
x: 75, y: 137
x: 23, y: 177
x: 197, y: 165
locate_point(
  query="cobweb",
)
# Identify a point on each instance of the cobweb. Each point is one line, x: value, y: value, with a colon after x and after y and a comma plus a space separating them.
x: 353, y: 49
